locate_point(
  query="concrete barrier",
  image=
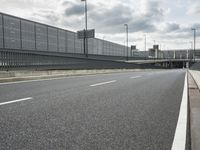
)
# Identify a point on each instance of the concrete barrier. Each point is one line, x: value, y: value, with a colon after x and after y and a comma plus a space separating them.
x: 196, y: 75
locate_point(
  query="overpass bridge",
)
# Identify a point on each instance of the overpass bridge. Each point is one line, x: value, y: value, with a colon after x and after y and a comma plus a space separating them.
x: 166, y: 63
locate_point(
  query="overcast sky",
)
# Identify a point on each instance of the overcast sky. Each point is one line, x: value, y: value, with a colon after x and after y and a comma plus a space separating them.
x: 165, y: 22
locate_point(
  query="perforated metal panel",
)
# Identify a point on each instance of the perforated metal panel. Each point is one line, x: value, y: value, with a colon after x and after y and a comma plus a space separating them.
x: 116, y: 51
x: 12, y: 32
x: 78, y: 45
x: 129, y: 51
x: 108, y: 48
x: 70, y: 42
x: 61, y: 41
x: 28, y: 35
x: 41, y: 37
x: 100, y: 47
x: 90, y: 46
x: 52, y: 39
x: 105, y: 49
x: 36, y: 36
x: 112, y: 52
x: 95, y: 46
x: 121, y: 50
x: 1, y: 31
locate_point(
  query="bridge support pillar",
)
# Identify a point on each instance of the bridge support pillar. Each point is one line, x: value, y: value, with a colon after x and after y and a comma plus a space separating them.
x: 187, y: 64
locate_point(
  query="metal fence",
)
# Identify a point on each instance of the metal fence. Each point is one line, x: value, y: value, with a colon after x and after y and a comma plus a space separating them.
x: 17, y: 60
x: 18, y: 33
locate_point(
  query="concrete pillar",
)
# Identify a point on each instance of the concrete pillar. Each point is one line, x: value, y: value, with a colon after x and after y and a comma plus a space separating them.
x: 156, y: 53
x: 187, y: 64
x: 174, y: 54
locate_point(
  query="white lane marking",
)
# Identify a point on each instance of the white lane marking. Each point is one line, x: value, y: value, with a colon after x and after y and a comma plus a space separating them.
x: 56, y: 78
x: 15, y: 101
x: 134, y: 77
x: 179, y: 141
x: 102, y: 83
x: 48, y: 79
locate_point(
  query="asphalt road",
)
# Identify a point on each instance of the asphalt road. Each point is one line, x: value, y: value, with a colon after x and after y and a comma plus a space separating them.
x: 118, y: 111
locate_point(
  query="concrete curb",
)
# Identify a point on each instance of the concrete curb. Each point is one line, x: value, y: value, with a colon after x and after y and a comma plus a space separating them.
x: 196, y: 76
x: 13, y: 76
x: 194, y: 101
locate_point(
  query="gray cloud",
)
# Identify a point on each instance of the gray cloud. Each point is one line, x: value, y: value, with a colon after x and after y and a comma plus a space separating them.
x: 109, y: 20
x: 112, y: 20
x: 195, y: 25
x: 144, y: 25
x: 194, y: 8
x: 153, y: 11
x: 170, y: 27
x: 175, y: 31
x: 49, y: 17
x: 187, y: 29
x: 74, y: 8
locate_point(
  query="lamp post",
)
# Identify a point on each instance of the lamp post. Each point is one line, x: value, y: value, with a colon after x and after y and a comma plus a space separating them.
x: 85, y: 30
x: 126, y: 25
x: 191, y: 48
x: 145, y: 45
x: 194, y: 41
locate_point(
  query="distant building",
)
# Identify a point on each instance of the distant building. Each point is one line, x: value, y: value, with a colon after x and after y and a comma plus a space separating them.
x: 155, y: 52
x: 134, y: 51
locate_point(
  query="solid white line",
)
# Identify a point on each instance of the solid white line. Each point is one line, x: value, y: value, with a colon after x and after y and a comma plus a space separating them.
x: 56, y: 78
x: 136, y: 77
x: 48, y: 79
x: 102, y: 83
x: 179, y: 141
x: 15, y: 101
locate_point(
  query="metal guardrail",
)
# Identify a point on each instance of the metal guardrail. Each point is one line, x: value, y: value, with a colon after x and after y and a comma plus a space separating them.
x: 14, y: 60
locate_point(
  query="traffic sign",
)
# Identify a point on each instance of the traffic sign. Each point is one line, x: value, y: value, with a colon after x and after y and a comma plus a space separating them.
x: 133, y: 47
x: 86, y: 34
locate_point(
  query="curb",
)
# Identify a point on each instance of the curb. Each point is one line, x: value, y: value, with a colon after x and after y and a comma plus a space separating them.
x: 194, y: 104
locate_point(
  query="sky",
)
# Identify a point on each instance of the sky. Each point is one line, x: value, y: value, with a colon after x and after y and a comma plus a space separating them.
x: 164, y: 22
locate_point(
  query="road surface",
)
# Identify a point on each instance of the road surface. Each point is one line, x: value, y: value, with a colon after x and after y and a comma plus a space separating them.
x: 118, y: 111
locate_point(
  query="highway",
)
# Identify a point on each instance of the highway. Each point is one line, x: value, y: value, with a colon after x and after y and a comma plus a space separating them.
x: 117, y: 111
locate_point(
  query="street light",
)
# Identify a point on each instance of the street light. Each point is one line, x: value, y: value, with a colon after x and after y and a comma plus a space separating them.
x: 191, y: 48
x: 194, y: 41
x: 85, y: 39
x: 145, y: 45
x: 126, y: 25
